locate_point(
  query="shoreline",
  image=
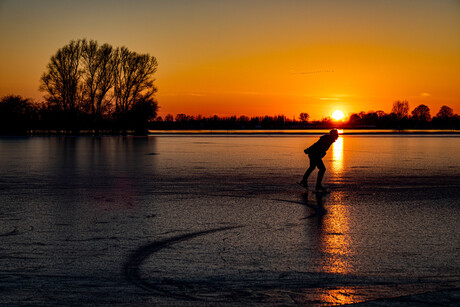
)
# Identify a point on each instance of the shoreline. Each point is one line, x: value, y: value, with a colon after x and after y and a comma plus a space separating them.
x: 305, y: 132
x: 240, y: 132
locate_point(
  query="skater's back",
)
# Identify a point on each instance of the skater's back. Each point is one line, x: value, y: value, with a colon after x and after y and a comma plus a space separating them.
x: 323, y: 144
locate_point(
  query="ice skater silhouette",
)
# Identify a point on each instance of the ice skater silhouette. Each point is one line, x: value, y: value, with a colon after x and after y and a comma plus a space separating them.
x: 316, y: 152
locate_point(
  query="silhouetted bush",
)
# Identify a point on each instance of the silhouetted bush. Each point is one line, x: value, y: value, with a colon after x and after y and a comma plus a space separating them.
x: 17, y: 115
x: 141, y: 113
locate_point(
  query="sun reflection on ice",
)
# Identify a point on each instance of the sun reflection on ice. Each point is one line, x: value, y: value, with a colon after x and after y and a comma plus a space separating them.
x: 335, y: 241
x: 339, y: 296
x: 337, y: 156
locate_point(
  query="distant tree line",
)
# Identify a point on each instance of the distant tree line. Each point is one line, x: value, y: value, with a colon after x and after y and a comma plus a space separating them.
x: 183, y: 121
x: 88, y: 87
x: 21, y: 116
x: 399, y: 118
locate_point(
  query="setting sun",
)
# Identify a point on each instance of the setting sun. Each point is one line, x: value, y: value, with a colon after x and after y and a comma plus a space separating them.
x: 337, y: 115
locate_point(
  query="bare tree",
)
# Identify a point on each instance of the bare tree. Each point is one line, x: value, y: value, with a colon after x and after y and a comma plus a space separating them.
x: 83, y: 77
x: 421, y: 113
x: 99, y: 67
x: 400, y: 109
x: 304, y: 117
x: 61, y: 81
x: 133, y: 80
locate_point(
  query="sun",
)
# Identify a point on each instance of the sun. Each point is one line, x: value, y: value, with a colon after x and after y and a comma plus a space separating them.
x: 337, y: 115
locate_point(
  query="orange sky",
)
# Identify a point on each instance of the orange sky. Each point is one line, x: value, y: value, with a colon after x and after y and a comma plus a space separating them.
x: 254, y: 57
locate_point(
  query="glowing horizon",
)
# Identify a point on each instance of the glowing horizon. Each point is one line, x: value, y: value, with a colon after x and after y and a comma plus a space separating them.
x: 254, y: 58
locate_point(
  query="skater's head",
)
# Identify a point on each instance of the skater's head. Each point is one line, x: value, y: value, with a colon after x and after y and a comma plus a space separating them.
x: 334, y: 133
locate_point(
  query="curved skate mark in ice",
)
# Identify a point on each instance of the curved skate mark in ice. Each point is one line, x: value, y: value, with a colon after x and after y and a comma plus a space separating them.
x: 15, y: 232
x: 11, y: 233
x: 92, y: 239
x: 135, y: 260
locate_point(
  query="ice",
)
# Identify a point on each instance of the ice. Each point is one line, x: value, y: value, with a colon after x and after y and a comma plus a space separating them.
x: 219, y: 219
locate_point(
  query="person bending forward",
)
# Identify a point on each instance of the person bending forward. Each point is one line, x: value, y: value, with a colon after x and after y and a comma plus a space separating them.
x: 316, y: 152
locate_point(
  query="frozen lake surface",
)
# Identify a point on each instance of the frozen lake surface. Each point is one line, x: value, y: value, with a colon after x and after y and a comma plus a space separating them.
x: 218, y: 220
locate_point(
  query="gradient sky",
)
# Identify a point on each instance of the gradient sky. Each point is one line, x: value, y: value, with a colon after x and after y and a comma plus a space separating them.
x: 254, y: 57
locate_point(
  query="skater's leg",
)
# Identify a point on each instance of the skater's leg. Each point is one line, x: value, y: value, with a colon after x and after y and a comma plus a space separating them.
x: 309, y: 170
x: 322, y: 170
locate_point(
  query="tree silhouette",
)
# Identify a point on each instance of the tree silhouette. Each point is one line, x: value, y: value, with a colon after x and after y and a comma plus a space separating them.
x: 16, y: 114
x: 421, y: 113
x: 99, y: 64
x: 380, y: 114
x: 445, y: 112
x: 244, y: 119
x: 399, y: 113
x: 133, y: 80
x: 400, y: 109
x: 181, y: 117
x: 446, y: 118
x: 61, y: 82
x: 304, y: 117
x: 83, y: 77
x: 169, y: 118
x: 141, y: 113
